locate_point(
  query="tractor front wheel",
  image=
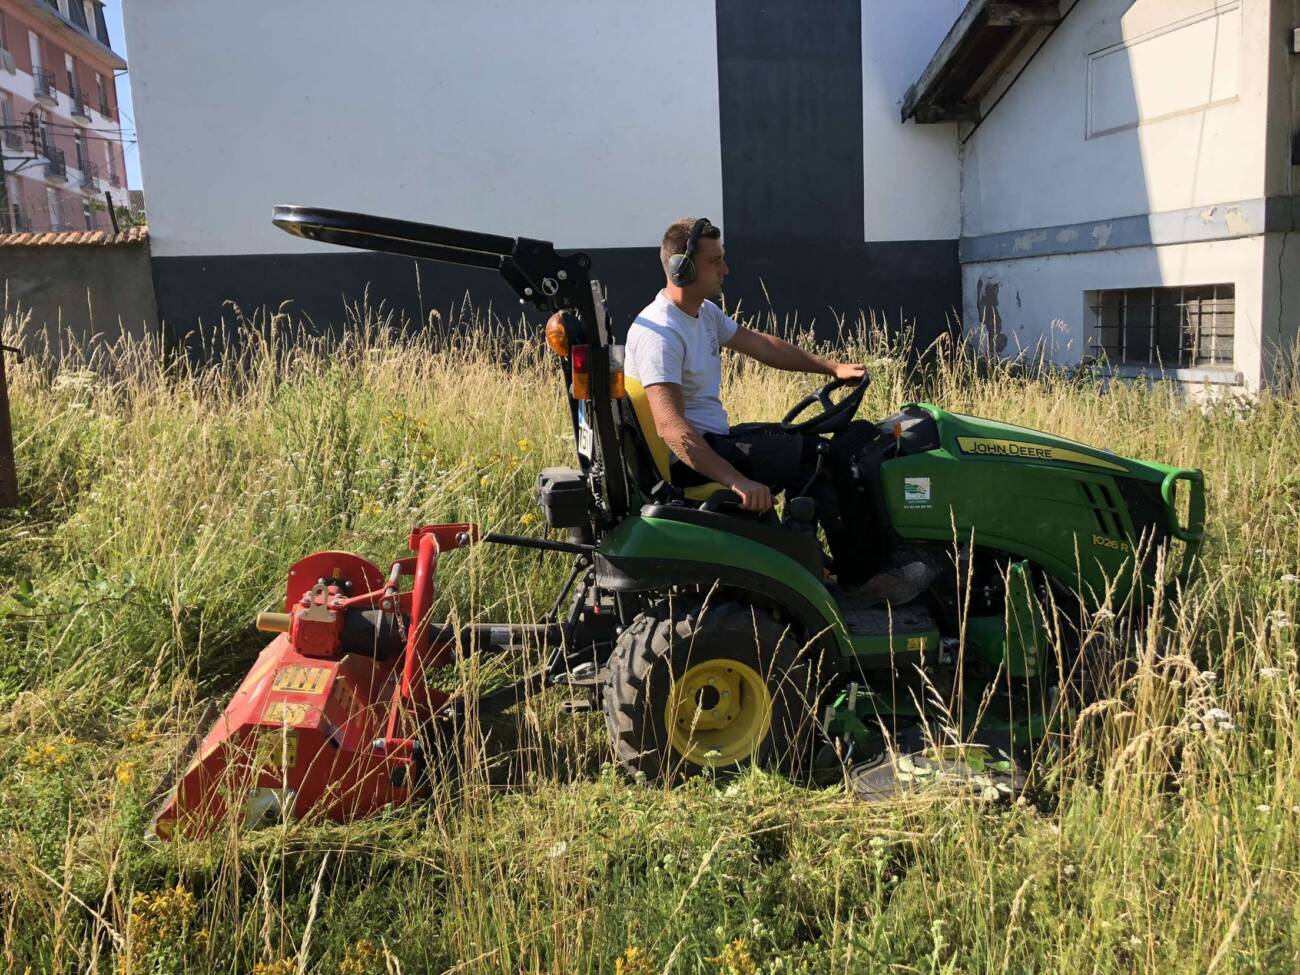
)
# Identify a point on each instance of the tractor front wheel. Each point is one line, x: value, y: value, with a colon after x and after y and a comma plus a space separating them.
x: 721, y: 686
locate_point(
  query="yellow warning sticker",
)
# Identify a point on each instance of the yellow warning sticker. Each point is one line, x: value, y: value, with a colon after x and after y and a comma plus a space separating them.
x: 301, y: 679
x: 277, y: 748
x: 291, y: 713
x: 1017, y: 450
x: 915, y: 643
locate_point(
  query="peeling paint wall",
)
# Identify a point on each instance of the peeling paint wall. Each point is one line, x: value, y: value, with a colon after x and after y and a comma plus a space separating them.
x: 1040, y: 302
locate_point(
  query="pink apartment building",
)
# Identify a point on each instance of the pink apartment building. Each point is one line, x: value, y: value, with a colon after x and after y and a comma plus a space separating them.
x: 61, y: 140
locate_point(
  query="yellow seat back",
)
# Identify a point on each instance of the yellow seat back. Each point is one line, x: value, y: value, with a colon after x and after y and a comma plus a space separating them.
x: 659, y: 451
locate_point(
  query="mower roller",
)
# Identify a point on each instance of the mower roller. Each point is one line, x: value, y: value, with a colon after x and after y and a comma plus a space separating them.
x: 710, y: 636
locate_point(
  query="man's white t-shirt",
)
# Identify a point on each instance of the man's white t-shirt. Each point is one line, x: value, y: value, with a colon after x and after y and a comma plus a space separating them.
x: 666, y: 345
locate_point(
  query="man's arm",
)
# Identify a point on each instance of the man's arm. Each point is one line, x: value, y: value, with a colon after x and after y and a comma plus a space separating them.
x: 780, y: 354
x: 668, y: 408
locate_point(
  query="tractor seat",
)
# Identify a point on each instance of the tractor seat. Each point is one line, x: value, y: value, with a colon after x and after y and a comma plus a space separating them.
x: 659, y: 451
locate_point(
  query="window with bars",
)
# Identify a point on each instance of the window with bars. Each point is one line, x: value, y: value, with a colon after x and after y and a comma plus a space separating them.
x: 1171, y: 328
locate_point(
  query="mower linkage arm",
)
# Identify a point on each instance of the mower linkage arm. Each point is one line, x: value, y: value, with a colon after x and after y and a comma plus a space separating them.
x: 531, y: 267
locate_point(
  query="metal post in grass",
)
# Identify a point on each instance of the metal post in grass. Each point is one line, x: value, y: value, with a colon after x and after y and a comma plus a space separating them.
x: 8, y: 472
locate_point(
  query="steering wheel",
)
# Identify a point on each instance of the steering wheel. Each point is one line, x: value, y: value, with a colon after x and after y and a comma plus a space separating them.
x: 834, y: 417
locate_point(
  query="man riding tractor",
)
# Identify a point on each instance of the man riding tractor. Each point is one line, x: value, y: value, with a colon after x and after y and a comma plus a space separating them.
x: 674, y: 353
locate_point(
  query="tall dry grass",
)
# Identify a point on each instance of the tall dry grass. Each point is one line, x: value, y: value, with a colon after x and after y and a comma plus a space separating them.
x: 162, y: 505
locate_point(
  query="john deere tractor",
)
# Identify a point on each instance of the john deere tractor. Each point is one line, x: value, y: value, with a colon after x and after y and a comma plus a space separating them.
x: 711, y: 637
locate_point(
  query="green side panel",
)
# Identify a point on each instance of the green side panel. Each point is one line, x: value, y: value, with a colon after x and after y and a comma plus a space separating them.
x: 656, y: 539
x: 1039, y: 497
x: 1017, y: 640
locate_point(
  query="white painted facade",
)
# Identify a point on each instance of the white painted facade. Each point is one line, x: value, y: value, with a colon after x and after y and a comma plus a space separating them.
x: 560, y: 121
x: 911, y: 172
x: 585, y: 123
x: 1165, y: 112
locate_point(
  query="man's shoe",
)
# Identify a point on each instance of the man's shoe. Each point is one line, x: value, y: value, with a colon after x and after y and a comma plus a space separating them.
x: 895, y: 585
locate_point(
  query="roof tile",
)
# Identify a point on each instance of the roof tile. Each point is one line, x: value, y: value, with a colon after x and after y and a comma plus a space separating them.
x: 76, y: 238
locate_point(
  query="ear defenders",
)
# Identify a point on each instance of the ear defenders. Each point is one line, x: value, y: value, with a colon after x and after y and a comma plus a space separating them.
x: 681, y: 267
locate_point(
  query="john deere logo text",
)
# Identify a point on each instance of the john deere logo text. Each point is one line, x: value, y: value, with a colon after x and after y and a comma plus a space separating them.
x: 1030, y: 451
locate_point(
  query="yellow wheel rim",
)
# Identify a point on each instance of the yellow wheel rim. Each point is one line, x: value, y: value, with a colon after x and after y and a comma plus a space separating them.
x: 718, y: 712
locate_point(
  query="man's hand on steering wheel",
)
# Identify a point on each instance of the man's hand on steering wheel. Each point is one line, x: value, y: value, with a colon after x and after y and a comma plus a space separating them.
x: 753, y: 496
x: 850, y: 372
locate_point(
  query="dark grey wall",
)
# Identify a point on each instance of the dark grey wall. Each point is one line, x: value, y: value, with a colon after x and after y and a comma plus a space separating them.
x: 790, y: 102
x: 96, y: 290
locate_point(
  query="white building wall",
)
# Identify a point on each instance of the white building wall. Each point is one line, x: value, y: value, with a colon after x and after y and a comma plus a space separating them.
x: 911, y: 172
x: 583, y: 123
x: 1152, y: 110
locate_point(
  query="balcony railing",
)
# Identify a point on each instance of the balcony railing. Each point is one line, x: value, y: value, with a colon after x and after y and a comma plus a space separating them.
x: 89, y: 176
x: 43, y: 86
x: 80, y: 110
x: 114, y: 180
x: 56, y: 167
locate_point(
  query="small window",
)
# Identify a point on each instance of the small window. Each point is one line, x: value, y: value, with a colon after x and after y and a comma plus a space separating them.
x: 56, y: 208
x: 88, y: 213
x: 1170, y: 328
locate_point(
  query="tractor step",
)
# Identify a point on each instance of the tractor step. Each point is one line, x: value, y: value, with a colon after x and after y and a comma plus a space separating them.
x: 872, y: 617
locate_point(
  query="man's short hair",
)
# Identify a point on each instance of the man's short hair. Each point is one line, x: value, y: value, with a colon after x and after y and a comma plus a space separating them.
x: 676, y: 236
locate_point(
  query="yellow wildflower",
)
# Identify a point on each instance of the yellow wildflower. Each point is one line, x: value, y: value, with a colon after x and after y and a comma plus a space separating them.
x: 525, y: 445
x: 361, y: 958
x: 138, y: 732
x: 634, y: 961
x: 485, y: 480
x: 285, y: 966
x: 125, y: 772
x: 527, y: 518
x: 736, y: 959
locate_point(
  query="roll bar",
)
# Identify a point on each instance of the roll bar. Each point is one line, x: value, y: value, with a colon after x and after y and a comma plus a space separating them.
x: 551, y: 281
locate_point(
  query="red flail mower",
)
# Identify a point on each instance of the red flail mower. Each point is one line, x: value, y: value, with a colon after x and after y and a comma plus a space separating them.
x: 336, y: 716
x: 315, y: 721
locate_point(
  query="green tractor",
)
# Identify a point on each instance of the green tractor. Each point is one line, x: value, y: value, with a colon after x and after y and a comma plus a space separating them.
x: 718, y: 639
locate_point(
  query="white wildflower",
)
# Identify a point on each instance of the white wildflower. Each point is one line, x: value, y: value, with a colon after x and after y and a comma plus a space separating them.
x: 1263, y: 807
x: 1270, y: 673
x: 1290, y: 579
x: 1214, y: 719
x: 1209, y: 676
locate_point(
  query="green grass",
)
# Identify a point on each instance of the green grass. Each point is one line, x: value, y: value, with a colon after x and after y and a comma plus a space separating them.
x: 162, y: 507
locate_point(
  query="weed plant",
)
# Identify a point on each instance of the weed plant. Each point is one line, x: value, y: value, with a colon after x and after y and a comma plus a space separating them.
x: 162, y: 504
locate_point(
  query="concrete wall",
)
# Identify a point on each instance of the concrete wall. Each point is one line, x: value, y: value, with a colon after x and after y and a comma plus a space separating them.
x: 79, y: 294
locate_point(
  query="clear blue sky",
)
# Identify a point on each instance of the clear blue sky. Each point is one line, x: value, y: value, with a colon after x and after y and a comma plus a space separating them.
x: 113, y: 16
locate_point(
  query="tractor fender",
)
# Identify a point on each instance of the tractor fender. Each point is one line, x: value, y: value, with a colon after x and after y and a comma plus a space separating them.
x: 645, y: 554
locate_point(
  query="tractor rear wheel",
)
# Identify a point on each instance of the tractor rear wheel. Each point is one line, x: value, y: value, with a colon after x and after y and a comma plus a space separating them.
x: 720, y: 686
